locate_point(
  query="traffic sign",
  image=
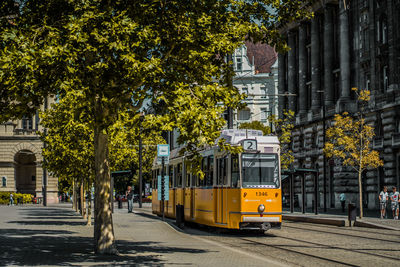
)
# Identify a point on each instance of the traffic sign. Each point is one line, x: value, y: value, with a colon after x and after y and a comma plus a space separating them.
x: 166, y: 187
x: 163, y: 150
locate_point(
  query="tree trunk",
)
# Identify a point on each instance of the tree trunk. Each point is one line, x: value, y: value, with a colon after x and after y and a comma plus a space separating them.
x: 103, y: 224
x: 75, y: 197
x: 360, y: 190
x: 89, y: 208
x: 82, y: 193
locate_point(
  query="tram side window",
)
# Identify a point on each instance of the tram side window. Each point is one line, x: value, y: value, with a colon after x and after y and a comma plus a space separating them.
x: 235, y: 170
x: 171, y: 175
x: 209, y: 181
x: 204, y: 168
x: 179, y: 175
x: 222, y: 171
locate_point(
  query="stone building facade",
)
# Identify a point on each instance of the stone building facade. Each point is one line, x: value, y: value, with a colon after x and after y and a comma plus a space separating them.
x: 21, y: 160
x: 352, y: 43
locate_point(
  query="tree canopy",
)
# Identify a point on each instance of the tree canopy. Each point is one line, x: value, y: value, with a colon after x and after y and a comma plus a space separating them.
x: 119, y: 55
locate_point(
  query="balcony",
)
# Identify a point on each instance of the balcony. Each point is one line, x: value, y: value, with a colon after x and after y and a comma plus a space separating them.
x: 396, y: 139
x: 377, y: 142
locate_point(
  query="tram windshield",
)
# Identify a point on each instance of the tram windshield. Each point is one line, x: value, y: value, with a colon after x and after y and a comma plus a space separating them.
x: 260, y: 170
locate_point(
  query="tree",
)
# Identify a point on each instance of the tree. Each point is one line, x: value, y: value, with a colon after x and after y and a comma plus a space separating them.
x: 256, y: 125
x: 117, y: 54
x: 283, y: 128
x: 349, y: 139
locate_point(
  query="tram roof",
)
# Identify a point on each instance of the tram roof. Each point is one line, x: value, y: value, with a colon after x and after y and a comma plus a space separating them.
x: 234, y: 136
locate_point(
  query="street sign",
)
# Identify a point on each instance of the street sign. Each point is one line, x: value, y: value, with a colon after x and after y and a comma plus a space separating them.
x: 159, y: 160
x: 166, y: 187
x: 163, y: 150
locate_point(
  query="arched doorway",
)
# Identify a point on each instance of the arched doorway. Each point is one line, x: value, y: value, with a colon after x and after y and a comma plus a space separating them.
x: 25, y: 172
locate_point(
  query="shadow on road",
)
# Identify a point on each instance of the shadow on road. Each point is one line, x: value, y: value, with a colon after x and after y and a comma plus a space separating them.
x: 57, y: 246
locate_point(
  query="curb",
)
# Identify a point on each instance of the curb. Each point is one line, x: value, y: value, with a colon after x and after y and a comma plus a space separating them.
x: 374, y: 226
x: 335, y: 222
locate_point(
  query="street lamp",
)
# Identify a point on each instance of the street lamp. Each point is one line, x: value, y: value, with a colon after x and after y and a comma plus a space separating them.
x: 322, y: 99
x: 141, y: 118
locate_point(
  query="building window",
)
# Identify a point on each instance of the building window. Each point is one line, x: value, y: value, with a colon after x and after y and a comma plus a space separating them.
x: 238, y: 63
x: 385, y: 78
x: 4, y: 181
x: 384, y: 31
x: 244, y: 115
x: 27, y: 123
x: 263, y: 91
x: 264, y: 115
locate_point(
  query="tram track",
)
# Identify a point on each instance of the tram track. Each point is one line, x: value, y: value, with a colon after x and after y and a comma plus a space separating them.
x: 326, y: 245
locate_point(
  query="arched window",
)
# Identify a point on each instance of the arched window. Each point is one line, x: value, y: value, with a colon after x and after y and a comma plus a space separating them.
x: 4, y: 181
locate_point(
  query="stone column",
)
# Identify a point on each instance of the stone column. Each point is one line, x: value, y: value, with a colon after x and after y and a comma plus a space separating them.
x: 328, y: 57
x: 281, y: 82
x: 315, y: 65
x: 302, y: 69
x: 292, y: 71
x: 344, y: 48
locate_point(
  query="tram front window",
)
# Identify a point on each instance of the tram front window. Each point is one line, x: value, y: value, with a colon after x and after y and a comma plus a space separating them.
x: 260, y: 170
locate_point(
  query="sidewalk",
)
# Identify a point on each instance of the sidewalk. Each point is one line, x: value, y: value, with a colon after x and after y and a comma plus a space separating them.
x: 56, y: 235
x: 342, y: 220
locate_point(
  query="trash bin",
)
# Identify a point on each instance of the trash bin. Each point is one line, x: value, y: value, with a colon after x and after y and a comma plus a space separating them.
x: 352, y: 212
x: 179, y: 215
x: 120, y: 202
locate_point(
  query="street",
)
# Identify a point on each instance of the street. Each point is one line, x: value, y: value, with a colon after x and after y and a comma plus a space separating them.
x: 56, y: 235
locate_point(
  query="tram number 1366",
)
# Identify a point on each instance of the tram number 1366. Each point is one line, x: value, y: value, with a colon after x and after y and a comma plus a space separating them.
x: 259, y: 194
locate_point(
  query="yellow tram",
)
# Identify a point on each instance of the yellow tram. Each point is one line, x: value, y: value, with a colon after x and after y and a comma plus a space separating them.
x: 239, y: 191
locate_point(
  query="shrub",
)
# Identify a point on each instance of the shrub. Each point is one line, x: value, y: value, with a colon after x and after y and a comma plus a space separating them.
x: 5, y: 197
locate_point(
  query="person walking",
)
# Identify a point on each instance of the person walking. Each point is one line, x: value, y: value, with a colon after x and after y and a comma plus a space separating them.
x: 383, y: 198
x: 395, y: 203
x: 11, y: 200
x: 129, y: 197
x: 342, y: 198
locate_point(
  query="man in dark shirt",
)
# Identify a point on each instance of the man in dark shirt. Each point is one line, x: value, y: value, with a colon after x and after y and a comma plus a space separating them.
x: 129, y: 197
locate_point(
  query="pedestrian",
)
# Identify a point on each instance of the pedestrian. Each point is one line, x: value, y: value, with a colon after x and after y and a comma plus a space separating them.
x: 395, y: 203
x: 11, y: 200
x: 342, y: 198
x: 129, y: 197
x: 383, y: 198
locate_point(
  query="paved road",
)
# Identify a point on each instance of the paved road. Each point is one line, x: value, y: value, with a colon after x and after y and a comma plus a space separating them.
x: 302, y: 244
x: 56, y: 235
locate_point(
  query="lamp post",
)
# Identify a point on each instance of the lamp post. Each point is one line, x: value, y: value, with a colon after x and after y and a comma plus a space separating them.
x: 321, y: 92
x: 141, y: 118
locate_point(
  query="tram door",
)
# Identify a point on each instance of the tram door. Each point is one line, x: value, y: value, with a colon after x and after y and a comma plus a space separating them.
x: 221, y: 197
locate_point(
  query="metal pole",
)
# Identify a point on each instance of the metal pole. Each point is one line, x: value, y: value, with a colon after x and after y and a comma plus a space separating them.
x: 230, y: 85
x: 303, y: 193
x: 162, y: 187
x: 316, y: 192
x: 324, y: 158
x: 112, y: 193
x: 140, y: 169
x: 291, y: 193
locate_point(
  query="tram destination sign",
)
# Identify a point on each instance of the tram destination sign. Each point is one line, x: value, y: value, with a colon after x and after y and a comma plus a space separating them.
x: 249, y: 144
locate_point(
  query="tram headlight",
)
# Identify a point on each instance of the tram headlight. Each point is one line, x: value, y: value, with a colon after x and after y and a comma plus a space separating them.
x: 261, y: 208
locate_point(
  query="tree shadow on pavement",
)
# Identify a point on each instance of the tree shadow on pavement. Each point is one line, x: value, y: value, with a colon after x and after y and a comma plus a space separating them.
x: 60, y: 247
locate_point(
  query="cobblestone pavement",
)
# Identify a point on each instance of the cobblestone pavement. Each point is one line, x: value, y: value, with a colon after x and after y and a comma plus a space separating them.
x: 57, y: 236
x: 304, y: 244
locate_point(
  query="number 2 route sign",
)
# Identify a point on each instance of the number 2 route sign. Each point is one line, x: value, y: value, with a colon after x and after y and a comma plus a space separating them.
x: 162, y: 150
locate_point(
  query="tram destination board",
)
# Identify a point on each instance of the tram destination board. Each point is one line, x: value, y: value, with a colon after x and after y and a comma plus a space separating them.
x: 166, y: 187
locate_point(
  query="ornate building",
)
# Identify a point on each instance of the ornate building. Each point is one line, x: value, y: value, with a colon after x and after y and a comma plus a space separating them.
x: 351, y: 43
x: 261, y: 87
x: 21, y: 160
